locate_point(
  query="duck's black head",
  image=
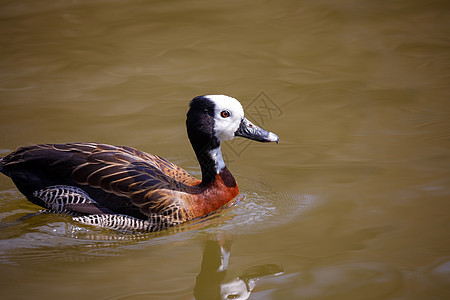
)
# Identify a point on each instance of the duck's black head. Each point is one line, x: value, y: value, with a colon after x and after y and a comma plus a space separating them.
x: 212, y: 119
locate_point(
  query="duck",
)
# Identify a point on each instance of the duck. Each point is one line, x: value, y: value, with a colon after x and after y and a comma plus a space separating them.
x: 121, y: 188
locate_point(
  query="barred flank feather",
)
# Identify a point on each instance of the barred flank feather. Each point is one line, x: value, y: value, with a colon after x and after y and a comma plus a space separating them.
x: 71, y: 201
x: 123, y: 222
x: 58, y: 198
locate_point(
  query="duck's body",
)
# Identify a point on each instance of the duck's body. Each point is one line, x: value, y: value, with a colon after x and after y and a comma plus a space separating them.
x: 123, y: 188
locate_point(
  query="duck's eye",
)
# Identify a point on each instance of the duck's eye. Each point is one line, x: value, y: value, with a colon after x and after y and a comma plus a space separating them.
x: 225, y: 114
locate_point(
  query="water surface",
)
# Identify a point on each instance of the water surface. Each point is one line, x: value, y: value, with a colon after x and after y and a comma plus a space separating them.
x: 353, y: 202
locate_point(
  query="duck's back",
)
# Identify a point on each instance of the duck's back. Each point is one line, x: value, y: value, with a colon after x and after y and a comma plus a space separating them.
x: 122, y: 180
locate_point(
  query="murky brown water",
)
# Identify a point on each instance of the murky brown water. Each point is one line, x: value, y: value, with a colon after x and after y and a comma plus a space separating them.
x: 352, y: 204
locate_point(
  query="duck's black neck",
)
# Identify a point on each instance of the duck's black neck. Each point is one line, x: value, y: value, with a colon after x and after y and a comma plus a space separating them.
x: 211, y: 162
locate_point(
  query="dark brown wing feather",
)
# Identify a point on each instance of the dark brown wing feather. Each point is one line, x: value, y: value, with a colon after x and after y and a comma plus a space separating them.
x: 149, y: 181
x: 146, y: 181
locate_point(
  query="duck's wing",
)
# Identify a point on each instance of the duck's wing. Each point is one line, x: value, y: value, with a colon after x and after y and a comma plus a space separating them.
x: 152, y: 183
x: 124, y: 170
x: 118, y: 178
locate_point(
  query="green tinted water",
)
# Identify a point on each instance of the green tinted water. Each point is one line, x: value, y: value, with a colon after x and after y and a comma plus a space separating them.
x: 353, y: 202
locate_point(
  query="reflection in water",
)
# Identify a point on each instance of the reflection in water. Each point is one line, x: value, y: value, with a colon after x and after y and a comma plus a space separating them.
x: 212, y: 282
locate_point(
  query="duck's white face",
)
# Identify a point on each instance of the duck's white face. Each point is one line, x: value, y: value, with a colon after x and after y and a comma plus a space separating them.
x: 228, y: 114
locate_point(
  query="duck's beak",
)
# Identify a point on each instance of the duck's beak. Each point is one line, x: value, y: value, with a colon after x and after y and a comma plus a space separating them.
x: 249, y: 130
